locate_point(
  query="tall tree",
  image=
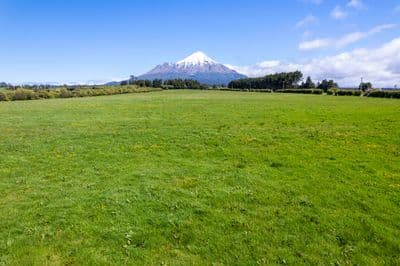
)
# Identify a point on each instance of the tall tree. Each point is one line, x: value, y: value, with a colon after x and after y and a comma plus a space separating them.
x: 274, y: 81
x: 327, y: 84
x: 364, y: 86
x: 309, y: 84
x: 157, y: 83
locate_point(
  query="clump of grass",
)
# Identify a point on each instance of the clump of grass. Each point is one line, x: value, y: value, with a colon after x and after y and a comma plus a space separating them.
x: 276, y: 164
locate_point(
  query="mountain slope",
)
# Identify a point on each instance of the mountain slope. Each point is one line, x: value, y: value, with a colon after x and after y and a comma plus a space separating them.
x: 197, y: 66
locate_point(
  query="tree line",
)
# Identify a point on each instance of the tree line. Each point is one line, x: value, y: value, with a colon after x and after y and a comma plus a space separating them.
x: 285, y: 82
x: 165, y: 84
x: 282, y: 81
x: 5, y: 85
x: 288, y: 80
x: 273, y: 82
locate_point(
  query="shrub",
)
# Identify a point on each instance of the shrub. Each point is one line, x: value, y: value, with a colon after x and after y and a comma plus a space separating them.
x: 64, y: 93
x: 384, y: 94
x: 395, y: 94
x: 302, y: 91
x: 317, y: 91
x: 81, y: 91
x: 248, y: 90
x: 98, y: 92
x: 260, y: 90
x: 3, y: 96
x: 332, y: 91
x: 378, y: 94
x: 348, y: 93
x: 22, y: 94
x: 44, y: 94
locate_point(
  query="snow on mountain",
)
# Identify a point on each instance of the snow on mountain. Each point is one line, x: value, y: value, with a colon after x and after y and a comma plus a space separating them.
x: 195, y: 59
x: 197, y: 66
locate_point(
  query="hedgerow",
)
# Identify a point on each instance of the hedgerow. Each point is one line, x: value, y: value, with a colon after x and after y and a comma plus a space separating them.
x: 3, y: 96
x: 30, y: 94
x: 343, y: 92
x: 348, y: 93
x: 246, y: 90
x: 384, y: 94
x: 302, y: 91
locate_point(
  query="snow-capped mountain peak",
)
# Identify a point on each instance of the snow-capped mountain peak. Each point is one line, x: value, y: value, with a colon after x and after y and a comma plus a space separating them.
x: 195, y: 59
x: 197, y: 66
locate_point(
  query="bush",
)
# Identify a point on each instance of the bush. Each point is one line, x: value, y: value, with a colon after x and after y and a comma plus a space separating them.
x: 384, y: 94
x: 3, y: 96
x: 22, y: 94
x: 302, y: 91
x: 98, y: 92
x: 332, y: 91
x: 348, y: 93
x: 394, y: 94
x: 260, y: 90
x: 69, y: 92
x: 44, y: 94
x: 64, y: 93
x: 317, y: 91
x: 81, y: 93
x: 231, y: 89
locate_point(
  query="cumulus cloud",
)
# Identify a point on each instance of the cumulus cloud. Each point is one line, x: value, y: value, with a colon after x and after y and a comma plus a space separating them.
x: 310, y: 19
x: 343, y: 40
x: 381, y: 66
x: 357, y: 4
x: 341, y: 13
x: 338, y: 13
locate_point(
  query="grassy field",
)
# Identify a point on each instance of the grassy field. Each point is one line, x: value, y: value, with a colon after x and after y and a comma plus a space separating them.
x: 200, y: 177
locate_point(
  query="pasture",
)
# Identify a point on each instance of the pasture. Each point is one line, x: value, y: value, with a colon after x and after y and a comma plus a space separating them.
x: 200, y: 177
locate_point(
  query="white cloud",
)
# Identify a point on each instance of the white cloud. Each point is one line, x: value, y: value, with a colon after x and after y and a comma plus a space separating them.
x: 341, y: 13
x: 381, y: 66
x: 338, y: 13
x: 315, y: 44
x: 310, y: 19
x: 356, y: 36
x: 344, y: 40
x: 357, y: 4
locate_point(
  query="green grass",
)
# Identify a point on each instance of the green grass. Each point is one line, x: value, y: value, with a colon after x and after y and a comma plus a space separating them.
x: 200, y: 177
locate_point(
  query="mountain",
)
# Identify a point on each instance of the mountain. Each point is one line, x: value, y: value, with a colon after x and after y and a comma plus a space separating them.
x: 112, y: 83
x: 197, y: 66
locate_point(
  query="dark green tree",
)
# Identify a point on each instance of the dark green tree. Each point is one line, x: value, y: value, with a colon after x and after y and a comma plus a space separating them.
x: 309, y: 84
x: 364, y: 86
x: 131, y: 79
x: 325, y: 85
x: 274, y: 81
x: 183, y: 84
x: 157, y: 83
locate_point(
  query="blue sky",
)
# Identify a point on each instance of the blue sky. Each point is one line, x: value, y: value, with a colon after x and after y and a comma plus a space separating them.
x: 67, y: 41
